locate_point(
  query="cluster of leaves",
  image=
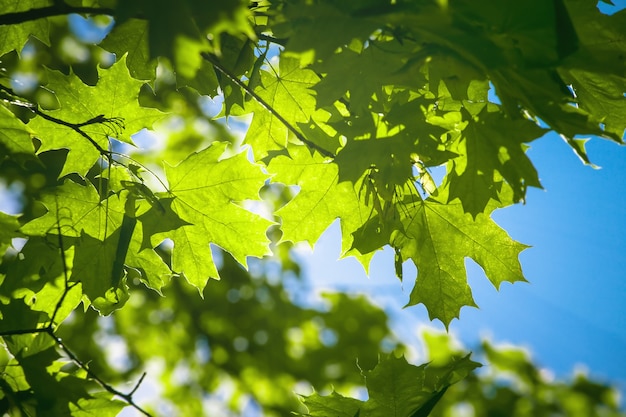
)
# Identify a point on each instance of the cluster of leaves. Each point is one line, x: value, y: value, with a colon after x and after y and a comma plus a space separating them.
x: 351, y: 104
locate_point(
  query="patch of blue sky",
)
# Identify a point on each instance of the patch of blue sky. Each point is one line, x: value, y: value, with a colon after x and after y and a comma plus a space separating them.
x: 90, y: 29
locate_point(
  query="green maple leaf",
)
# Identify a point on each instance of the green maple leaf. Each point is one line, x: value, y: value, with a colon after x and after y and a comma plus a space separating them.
x: 14, y: 37
x: 131, y: 38
x: 74, y: 209
x: 322, y: 198
x: 494, y: 149
x: 602, y: 95
x: 114, y: 98
x: 395, y: 388
x: 14, y: 134
x: 286, y: 91
x: 206, y: 190
x: 141, y: 256
x: 338, y: 26
x: 438, y: 237
x: 335, y: 405
x: 400, y: 389
x: 369, y: 69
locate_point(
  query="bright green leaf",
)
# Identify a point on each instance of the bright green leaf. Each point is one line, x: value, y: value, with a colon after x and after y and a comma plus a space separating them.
x: 14, y: 37
x: 287, y: 91
x: 438, y: 237
x: 109, y: 109
x: 74, y: 209
x: 322, y: 199
x: 208, y: 191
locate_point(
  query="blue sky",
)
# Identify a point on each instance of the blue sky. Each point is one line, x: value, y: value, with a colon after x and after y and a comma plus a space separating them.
x: 572, y: 313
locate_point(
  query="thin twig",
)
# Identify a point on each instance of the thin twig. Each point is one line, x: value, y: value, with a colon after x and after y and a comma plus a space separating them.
x: 24, y: 331
x: 211, y: 59
x: 138, y: 383
x: 127, y: 397
x: 130, y: 158
x: 75, y: 127
x: 61, y: 8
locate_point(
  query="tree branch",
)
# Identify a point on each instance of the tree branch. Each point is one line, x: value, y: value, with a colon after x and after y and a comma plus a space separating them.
x: 211, y: 59
x: 24, y: 331
x: 126, y: 397
x: 100, y: 119
x: 15, y: 18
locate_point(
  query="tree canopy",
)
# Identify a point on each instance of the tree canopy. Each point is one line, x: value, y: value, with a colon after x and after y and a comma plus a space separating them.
x: 135, y: 185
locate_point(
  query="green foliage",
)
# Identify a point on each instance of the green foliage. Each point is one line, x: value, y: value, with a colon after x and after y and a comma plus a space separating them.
x: 350, y: 107
x: 396, y: 388
x: 513, y: 386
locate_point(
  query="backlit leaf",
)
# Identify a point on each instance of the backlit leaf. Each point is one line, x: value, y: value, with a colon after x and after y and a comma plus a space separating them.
x: 438, y: 237
x: 208, y: 191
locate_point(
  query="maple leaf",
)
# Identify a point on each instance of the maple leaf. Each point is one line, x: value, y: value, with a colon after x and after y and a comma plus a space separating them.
x: 494, y: 149
x: 131, y: 38
x: 141, y: 256
x: 286, y: 91
x: 395, y: 388
x: 206, y: 190
x: 322, y: 199
x: 73, y: 209
x: 14, y: 37
x: 108, y: 109
x: 93, y: 267
x: 438, y: 237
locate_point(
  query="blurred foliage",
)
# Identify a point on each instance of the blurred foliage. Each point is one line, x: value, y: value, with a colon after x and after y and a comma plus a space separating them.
x: 246, y: 336
x: 510, y: 384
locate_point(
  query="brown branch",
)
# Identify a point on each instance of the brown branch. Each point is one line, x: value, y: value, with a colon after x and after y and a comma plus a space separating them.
x: 213, y: 61
x: 15, y: 18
